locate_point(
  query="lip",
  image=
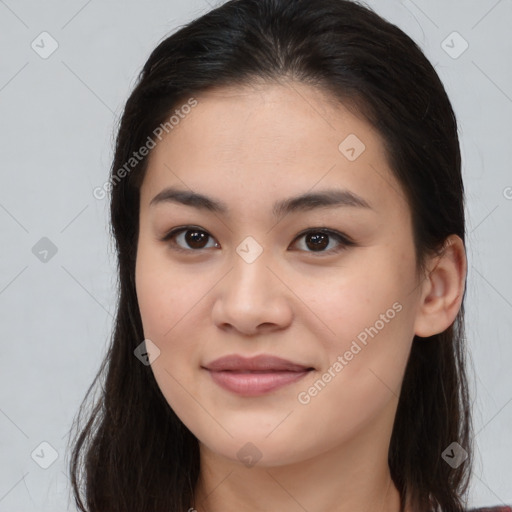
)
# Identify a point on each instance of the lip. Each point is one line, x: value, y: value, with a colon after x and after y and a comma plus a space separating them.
x: 261, y: 363
x: 255, y: 375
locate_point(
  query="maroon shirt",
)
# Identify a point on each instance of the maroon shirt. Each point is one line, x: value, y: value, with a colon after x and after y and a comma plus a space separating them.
x: 491, y: 509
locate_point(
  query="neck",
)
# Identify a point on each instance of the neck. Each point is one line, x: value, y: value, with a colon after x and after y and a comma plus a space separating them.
x: 352, y: 477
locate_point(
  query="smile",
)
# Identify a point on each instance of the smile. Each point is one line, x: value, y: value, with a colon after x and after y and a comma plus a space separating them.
x: 254, y: 383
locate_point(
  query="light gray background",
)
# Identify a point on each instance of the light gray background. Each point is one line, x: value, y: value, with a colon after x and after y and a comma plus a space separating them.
x: 57, y: 122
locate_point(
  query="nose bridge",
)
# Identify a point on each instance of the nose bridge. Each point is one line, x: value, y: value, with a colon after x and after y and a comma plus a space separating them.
x: 251, y: 277
x: 250, y: 295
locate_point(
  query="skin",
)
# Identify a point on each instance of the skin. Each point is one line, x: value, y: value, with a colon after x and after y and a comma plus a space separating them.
x: 249, y: 147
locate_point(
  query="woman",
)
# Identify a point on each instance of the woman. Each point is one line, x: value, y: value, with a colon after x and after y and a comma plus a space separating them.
x: 288, y: 211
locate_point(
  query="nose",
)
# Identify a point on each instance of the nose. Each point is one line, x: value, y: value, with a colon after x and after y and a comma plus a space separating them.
x: 252, y: 298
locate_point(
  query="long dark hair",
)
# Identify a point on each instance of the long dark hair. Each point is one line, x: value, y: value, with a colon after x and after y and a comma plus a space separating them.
x: 132, y: 453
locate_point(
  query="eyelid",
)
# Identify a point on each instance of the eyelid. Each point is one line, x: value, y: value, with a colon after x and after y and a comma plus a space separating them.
x: 177, y: 231
x: 344, y: 240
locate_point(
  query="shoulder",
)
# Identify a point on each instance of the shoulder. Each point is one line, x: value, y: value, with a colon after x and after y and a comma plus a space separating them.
x: 491, y: 509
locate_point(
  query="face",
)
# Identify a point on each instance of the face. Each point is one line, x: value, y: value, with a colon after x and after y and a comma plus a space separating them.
x: 327, y: 283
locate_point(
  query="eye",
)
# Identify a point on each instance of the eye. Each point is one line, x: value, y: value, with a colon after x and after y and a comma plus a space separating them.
x: 188, y: 238
x: 317, y: 239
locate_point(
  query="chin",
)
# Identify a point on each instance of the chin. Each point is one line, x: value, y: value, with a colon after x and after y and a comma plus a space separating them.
x: 260, y: 451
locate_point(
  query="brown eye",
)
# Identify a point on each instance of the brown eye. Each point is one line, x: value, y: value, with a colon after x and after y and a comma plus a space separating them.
x: 317, y: 240
x: 189, y: 239
x: 196, y: 239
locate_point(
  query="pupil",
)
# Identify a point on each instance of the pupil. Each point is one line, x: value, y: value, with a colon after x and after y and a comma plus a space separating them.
x: 193, y: 238
x: 319, y: 241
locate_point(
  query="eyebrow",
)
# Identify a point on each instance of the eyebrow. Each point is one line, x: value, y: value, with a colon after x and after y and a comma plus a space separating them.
x: 329, y: 198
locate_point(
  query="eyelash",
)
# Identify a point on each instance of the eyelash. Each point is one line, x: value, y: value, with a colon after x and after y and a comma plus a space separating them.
x: 343, y: 239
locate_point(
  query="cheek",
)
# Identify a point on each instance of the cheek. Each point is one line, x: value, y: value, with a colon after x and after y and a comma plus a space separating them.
x: 173, y: 306
x: 164, y: 294
x: 354, y: 297
x: 165, y: 299
x: 365, y: 358
x: 369, y: 319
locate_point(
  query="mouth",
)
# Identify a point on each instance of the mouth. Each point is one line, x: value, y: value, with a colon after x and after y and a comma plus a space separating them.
x: 256, y: 375
x: 261, y: 363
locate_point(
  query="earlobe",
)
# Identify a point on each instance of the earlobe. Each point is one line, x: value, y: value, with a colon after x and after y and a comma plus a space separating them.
x: 443, y: 289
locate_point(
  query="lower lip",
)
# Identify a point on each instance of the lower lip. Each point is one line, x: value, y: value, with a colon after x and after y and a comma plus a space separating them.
x: 252, y: 384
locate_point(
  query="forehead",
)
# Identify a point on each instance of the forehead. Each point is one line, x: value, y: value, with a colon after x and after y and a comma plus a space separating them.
x: 269, y: 139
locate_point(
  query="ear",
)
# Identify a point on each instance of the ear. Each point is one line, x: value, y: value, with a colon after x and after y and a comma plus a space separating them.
x: 442, y: 290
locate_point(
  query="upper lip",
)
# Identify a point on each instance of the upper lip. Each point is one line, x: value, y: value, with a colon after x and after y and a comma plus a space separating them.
x: 262, y: 362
